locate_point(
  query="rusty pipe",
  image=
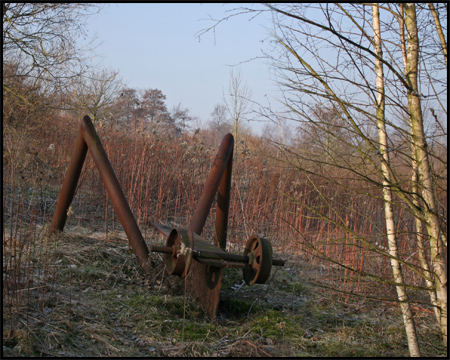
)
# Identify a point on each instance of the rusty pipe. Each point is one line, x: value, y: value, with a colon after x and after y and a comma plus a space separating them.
x: 116, y: 194
x: 198, y: 219
x: 70, y: 183
x: 206, y: 280
x: 223, y: 203
x: 229, y: 257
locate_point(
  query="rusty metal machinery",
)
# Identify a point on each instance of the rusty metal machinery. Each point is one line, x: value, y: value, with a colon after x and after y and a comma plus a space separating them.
x: 183, y: 245
x: 187, y: 254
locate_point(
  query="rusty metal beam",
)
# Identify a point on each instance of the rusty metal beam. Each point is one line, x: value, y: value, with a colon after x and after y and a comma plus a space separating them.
x: 204, y: 281
x: 223, y: 201
x: 116, y: 194
x: 201, y: 212
x: 88, y: 136
x: 70, y: 183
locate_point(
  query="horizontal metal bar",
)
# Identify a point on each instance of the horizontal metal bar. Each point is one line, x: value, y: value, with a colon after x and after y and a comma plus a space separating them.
x: 211, y: 255
x: 229, y: 257
x: 220, y: 263
x: 162, y: 249
x: 222, y: 255
x: 211, y: 262
x: 233, y: 264
x: 278, y: 262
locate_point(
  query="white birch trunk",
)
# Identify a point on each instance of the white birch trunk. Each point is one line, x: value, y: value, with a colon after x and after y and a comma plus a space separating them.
x: 439, y: 30
x: 408, y: 318
x: 420, y: 227
x: 420, y: 236
x: 423, y: 165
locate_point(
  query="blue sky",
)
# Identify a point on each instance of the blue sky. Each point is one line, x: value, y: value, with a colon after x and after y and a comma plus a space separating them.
x: 155, y: 46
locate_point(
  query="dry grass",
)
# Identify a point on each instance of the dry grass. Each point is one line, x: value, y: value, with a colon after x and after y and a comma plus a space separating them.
x: 96, y: 301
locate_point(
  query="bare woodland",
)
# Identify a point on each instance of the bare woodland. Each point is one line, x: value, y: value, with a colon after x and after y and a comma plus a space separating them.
x: 350, y: 179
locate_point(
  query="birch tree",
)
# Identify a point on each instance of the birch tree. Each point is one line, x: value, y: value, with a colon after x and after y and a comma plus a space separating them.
x: 425, y: 180
x: 439, y: 30
x: 346, y: 58
x: 405, y: 305
x: 353, y: 64
x: 419, y: 223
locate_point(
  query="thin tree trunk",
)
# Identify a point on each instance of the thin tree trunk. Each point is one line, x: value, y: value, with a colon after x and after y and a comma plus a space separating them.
x: 420, y: 226
x: 420, y: 236
x: 439, y: 30
x: 423, y: 165
x: 405, y: 306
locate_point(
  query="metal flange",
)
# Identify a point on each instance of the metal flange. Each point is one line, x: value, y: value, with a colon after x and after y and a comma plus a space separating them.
x: 259, y: 252
x: 181, y: 242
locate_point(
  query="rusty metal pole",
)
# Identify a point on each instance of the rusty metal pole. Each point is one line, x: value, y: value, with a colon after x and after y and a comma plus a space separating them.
x: 212, y: 183
x: 70, y: 183
x: 206, y: 280
x: 223, y: 204
x: 116, y: 194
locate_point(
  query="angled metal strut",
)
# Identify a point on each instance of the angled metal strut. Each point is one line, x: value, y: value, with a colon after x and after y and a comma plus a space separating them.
x: 184, y: 244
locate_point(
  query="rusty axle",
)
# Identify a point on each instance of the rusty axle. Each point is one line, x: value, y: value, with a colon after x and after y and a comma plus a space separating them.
x: 212, y: 255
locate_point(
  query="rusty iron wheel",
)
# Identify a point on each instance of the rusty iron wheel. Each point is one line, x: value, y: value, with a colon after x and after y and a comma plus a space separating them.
x: 259, y: 251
